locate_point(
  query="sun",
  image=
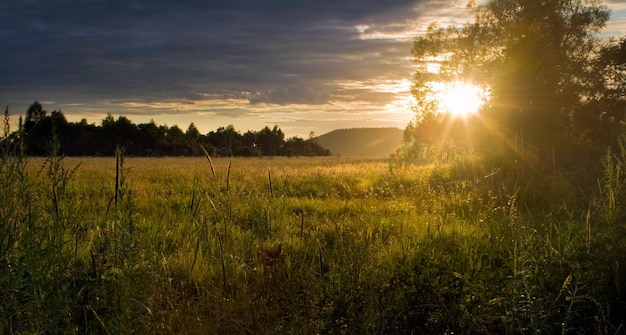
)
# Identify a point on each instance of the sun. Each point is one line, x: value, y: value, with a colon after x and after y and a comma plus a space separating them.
x: 461, y: 99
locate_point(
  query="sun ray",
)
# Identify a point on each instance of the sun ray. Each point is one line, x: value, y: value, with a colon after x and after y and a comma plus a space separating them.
x: 461, y: 99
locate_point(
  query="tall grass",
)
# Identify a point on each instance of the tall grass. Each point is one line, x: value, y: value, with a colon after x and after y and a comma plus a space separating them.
x: 307, y: 246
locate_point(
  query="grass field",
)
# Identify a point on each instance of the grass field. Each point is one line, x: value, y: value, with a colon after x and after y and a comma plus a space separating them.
x: 305, y: 246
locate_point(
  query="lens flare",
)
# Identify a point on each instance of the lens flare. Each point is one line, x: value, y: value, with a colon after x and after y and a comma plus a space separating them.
x: 461, y: 99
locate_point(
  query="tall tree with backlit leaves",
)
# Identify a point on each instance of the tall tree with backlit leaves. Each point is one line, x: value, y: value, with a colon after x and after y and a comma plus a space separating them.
x: 538, y: 59
x: 602, y: 116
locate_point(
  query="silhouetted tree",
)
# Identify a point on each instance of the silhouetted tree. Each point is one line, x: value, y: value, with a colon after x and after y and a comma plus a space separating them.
x: 537, y: 58
x: 151, y: 139
x: 37, y: 130
x: 249, y: 142
x: 296, y: 146
x: 192, y: 133
x: 35, y: 112
x: 192, y: 139
x: 600, y: 119
x: 85, y: 139
x: 270, y: 140
x: 175, y: 139
x: 146, y: 139
x: 121, y: 132
x: 227, y: 140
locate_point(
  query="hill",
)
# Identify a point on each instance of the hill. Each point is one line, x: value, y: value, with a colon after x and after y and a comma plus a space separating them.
x: 362, y: 141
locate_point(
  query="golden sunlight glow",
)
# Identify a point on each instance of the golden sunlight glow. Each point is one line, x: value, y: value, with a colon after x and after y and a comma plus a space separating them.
x: 461, y: 99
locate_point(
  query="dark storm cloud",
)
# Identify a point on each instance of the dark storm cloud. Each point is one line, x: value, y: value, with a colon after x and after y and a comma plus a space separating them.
x: 276, y: 51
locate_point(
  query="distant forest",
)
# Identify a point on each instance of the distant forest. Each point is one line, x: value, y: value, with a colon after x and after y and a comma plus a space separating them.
x: 40, y: 132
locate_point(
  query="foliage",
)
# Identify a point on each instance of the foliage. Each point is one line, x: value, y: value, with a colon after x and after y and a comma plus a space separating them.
x: 552, y: 82
x: 148, y: 139
x: 304, y: 245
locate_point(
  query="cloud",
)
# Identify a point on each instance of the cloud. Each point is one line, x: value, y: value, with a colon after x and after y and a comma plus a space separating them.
x: 292, y: 95
x: 616, y: 27
x: 212, y: 56
x: 172, y: 49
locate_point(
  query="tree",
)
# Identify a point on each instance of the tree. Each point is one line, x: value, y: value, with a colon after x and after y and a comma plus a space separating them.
x: 227, y: 141
x: 35, y: 112
x: 175, y: 140
x: 152, y: 139
x: 249, y: 142
x: 37, y: 130
x: 51, y: 132
x: 537, y: 58
x: 192, y: 133
x: 121, y: 132
x: 62, y: 131
x: 603, y: 112
x: 270, y: 140
x: 296, y: 146
x: 85, y: 139
x: 192, y: 141
x: 108, y: 121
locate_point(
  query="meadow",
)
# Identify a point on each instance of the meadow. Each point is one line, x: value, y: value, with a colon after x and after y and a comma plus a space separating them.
x: 332, y: 245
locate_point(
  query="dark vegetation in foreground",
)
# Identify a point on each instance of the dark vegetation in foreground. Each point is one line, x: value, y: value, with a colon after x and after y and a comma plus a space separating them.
x: 41, y: 129
x: 329, y: 246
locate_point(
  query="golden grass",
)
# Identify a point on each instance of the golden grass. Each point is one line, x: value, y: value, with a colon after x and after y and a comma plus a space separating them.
x: 300, y: 245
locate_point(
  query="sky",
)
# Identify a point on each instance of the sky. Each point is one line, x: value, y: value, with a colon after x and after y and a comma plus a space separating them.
x: 304, y: 65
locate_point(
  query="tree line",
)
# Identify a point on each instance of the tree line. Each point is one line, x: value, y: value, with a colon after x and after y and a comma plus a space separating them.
x: 39, y: 132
